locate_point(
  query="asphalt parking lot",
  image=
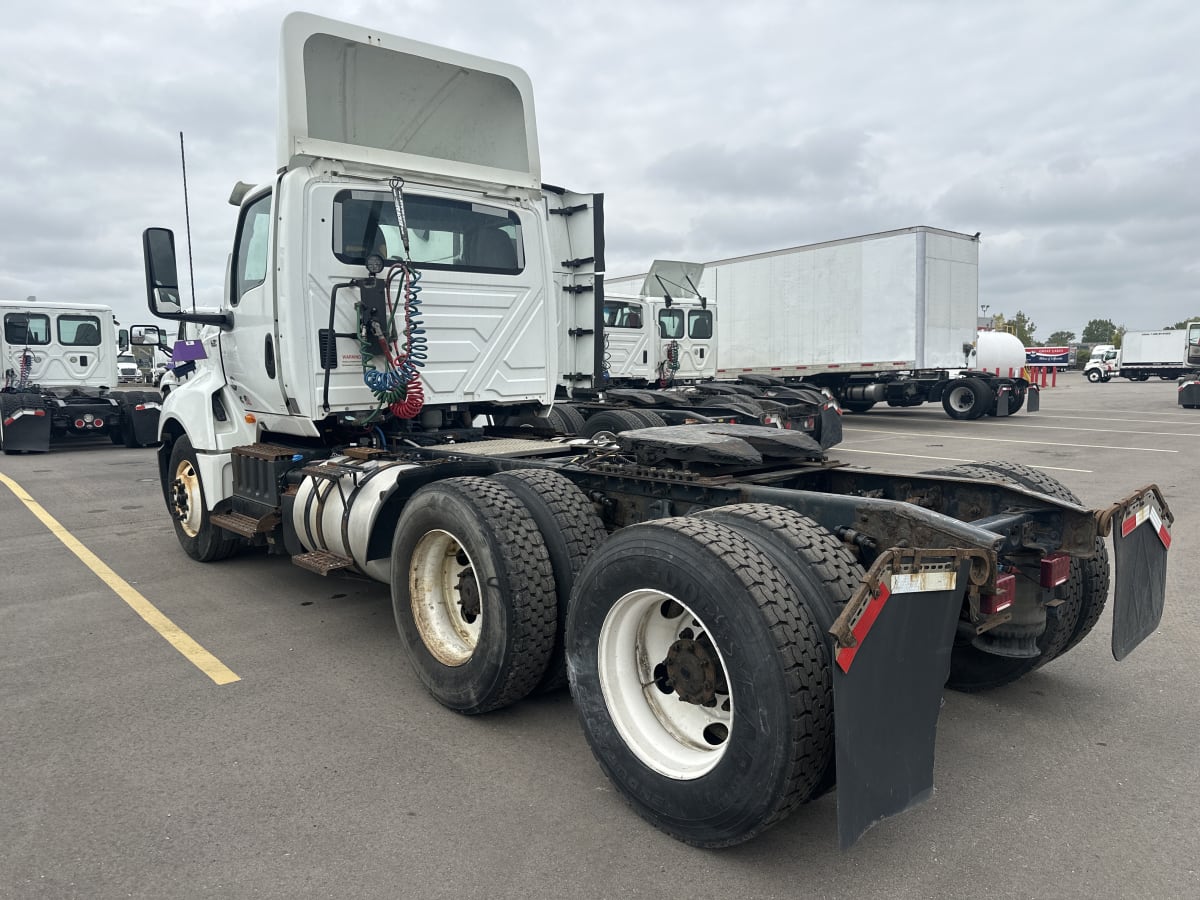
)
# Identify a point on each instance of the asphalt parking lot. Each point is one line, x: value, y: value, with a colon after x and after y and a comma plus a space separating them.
x: 323, y: 769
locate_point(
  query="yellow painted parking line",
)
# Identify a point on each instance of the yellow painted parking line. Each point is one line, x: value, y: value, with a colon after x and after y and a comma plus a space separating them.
x: 172, y: 633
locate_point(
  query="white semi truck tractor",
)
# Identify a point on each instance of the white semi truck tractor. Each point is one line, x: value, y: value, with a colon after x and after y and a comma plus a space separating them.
x: 743, y: 621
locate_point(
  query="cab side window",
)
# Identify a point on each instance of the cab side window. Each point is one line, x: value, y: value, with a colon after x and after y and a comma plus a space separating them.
x: 252, y: 251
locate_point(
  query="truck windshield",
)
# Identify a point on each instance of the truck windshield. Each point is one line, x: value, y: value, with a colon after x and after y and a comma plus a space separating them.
x: 79, y: 331
x: 26, y: 328
x: 442, y: 234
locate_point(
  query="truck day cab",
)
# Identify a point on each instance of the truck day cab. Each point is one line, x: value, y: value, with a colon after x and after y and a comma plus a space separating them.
x: 59, y: 362
x: 712, y: 593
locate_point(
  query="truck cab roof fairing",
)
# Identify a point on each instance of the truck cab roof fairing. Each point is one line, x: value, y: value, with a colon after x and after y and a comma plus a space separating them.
x: 357, y: 95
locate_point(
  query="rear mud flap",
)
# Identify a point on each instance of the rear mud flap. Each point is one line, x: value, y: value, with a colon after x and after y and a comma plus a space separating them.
x: 145, y: 424
x: 892, y: 659
x: 829, y: 433
x: 1141, y: 537
x: 26, y: 430
x: 1033, y: 399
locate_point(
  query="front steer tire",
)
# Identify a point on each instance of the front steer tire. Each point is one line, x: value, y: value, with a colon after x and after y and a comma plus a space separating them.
x: 701, y: 679
x: 186, y: 501
x: 473, y: 594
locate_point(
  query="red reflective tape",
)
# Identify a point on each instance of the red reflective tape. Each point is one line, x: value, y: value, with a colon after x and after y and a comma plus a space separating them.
x: 845, y: 655
x: 1164, y: 536
x: 39, y: 412
x: 1128, y: 525
x: 9, y: 420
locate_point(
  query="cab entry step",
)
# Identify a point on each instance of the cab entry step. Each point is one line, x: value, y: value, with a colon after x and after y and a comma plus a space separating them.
x: 322, y: 562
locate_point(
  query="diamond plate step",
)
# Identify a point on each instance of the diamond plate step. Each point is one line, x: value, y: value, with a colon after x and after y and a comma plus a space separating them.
x: 246, y: 526
x: 322, y: 562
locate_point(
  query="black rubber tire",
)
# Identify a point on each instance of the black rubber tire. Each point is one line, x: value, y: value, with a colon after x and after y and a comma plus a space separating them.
x: 1094, y: 376
x: 613, y: 421
x: 856, y: 406
x: 1086, y: 594
x: 753, y: 616
x: 967, y: 398
x: 209, y: 543
x: 650, y: 419
x: 820, y: 567
x: 515, y: 582
x: 571, y: 529
x: 566, y: 419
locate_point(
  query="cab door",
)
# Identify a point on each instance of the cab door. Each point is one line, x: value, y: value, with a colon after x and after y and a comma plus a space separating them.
x: 250, y: 351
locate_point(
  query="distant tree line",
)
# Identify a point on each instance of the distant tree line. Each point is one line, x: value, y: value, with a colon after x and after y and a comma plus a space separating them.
x: 1096, y: 331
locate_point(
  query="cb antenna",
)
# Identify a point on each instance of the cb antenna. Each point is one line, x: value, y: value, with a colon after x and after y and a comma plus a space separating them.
x: 187, y: 221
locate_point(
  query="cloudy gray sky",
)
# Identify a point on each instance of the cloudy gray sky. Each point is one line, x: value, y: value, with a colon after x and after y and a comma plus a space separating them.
x: 1068, y: 133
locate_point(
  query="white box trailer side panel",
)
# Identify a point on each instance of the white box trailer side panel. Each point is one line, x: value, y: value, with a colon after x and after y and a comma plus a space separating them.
x: 951, y: 299
x: 846, y: 303
x: 1152, y: 347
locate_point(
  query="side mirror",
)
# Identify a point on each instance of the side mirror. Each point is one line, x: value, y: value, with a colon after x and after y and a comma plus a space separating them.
x: 145, y: 336
x: 123, y: 339
x: 162, y: 279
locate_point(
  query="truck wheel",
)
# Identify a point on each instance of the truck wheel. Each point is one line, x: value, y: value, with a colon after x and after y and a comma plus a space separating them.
x: 813, y: 560
x: 200, y: 539
x: 967, y: 398
x: 1087, y: 592
x: 1094, y: 376
x: 473, y: 593
x: 571, y: 529
x: 702, y: 682
x: 611, y: 421
x: 856, y: 406
x: 566, y: 419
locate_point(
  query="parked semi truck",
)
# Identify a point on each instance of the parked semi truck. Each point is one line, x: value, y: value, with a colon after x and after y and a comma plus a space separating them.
x: 60, y: 363
x: 1143, y: 355
x: 650, y: 358
x: 743, y: 621
x: 881, y: 318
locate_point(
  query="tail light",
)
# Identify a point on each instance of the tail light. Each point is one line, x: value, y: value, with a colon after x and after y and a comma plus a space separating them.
x: 1006, y: 594
x: 1055, y: 570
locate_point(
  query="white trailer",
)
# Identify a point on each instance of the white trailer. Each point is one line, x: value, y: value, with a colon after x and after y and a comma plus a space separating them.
x: 886, y: 317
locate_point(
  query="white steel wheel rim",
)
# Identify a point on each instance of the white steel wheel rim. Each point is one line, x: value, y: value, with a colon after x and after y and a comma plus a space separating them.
x: 187, y: 488
x: 673, y: 737
x: 448, y: 622
x: 962, y: 398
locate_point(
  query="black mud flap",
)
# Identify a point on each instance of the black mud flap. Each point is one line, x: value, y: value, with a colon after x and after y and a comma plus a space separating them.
x: 1141, y: 538
x: 1033, y: 399
x: 26, y: 430
x: 887, y: 686
x: 145, y: 423
x: 829, y: 432
x: 1005, y: 399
